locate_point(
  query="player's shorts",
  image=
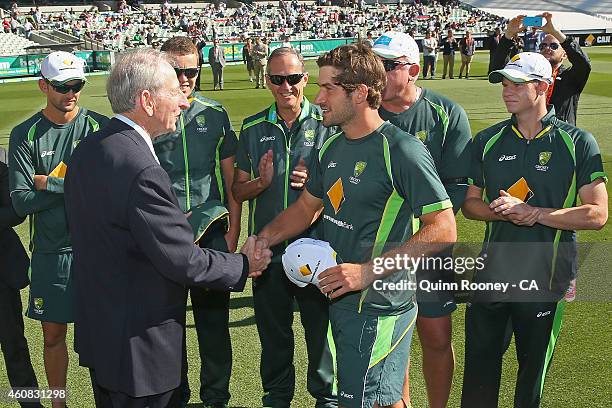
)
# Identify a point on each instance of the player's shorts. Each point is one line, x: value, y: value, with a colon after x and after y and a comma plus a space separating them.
x: 372, y: 354
x: 51, y: 296
x: 434, y: 301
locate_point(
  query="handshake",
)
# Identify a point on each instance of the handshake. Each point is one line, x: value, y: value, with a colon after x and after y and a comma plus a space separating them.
x: 258, y: 252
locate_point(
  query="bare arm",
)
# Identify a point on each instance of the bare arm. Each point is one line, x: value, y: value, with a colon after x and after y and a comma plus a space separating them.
x: 234, y: 207
x: 474, y: 208
x: 591, y: 215
x: 244, y: 188
x: 292, y: 221
x: 437, y: 232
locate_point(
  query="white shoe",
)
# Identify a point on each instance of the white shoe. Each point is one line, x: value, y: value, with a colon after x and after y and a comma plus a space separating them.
x: 570, y: 293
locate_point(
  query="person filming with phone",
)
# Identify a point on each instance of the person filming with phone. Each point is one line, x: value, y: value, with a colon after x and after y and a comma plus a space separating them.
x: 568, y: 82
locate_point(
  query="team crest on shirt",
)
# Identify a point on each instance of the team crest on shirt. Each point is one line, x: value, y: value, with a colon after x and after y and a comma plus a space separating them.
x: 421, y: 135
x: 309, y: 135
x: 543, y: 159
x: 38, y: 305
x: 360, y: 167
x: 201, y: 121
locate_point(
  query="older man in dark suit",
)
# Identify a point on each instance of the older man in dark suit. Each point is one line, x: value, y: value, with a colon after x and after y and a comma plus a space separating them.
x: 14, y: 264
x: 133, y: 247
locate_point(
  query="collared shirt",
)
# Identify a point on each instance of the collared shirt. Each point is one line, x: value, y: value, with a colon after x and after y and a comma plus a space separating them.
x: 546, y: 171
x: 143, y: 133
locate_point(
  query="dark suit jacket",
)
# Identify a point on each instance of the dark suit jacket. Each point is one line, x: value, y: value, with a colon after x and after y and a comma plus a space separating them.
x: 133, y: 256
x: 14, y: 261
x: 211, y: 56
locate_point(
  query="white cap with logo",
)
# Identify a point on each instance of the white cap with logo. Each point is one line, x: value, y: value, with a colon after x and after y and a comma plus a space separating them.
x: 394, y: 44
x: 306, y: 258
x: 524, y: 67
x: 60, y: 67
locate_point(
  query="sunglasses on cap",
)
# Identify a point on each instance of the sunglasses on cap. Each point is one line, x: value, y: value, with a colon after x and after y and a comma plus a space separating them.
x: 65, y: 88
x: 390, y: 65
x: 292, y: 79
x: 553, y: 46
x: 188, y: 72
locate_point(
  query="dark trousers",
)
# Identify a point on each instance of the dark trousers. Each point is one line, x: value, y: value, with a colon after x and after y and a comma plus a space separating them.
x: 217, y: 71
x: 14, y: 344
x: 112, y: 399
x: 535, y: 326
x: 211, y: 317
x: 429, y: 65
x: 274, y: 296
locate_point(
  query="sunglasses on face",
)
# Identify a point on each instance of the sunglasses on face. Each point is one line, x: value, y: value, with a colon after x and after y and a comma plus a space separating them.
x: 65, y: 88
x: 292, y: 79
x: 390, y: 65
x: 188, y: 72
x: 552, y: 46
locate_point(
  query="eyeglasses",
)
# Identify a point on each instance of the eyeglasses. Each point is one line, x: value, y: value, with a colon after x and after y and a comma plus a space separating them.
x: 552, y: 46
x: 292, y: 79
x: 64, y: 89
x: 188, y: 72
x: 390, y: 65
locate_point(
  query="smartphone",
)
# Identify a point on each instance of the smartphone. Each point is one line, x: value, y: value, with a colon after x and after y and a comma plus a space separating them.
x: 535, y: 21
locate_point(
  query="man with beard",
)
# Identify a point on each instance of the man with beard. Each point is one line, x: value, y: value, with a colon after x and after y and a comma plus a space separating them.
x: 276, y: 150
x: 39, y: 152
x: 367, y: 184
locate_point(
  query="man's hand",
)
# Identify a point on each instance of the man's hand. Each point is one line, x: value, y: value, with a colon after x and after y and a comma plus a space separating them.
x: 341, y: 279
x: 299, y: 176
x: 257, y: 262
x: 549, y: 27
x: 515, y: 26
x: 266, y: 169
x: 40, y: 182
x: 515, y: 210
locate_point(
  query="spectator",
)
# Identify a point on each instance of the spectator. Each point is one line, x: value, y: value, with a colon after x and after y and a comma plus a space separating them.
x: 532, y: 40
x: 430, y: 49
x: 493, y: 44
x: 247, y: 57
x: 260, y: 56
x: 467, y: 47
x: 216, y: 59
x: 449, y: 44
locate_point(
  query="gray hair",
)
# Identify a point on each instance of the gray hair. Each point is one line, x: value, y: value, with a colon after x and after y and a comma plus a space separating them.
x: 134, y: 72
x: 278, y: 52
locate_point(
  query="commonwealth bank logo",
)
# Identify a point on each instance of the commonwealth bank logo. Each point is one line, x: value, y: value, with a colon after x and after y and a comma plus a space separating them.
x: 336, y: 195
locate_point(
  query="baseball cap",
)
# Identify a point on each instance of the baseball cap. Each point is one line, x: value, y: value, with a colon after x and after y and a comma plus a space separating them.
x: 524, y: 67
x: 306, y: 258
x: 61, y: 66
x: 394, y: 44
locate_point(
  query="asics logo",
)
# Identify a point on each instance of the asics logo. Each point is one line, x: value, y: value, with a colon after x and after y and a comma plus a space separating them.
x: 542, y: 314
x: 503, y: 157
x: 332, y: 164
x: 47, y: 153
x: 267, y: 139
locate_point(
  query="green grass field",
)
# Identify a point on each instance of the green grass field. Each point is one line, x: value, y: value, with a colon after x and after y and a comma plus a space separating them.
x: 581, y: 374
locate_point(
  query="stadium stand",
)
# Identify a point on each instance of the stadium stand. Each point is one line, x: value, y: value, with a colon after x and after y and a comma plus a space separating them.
x: 275, y: 20
x: 151, y: 24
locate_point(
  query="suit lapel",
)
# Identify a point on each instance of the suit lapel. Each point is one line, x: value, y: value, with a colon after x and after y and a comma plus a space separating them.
x: 117, y: 126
